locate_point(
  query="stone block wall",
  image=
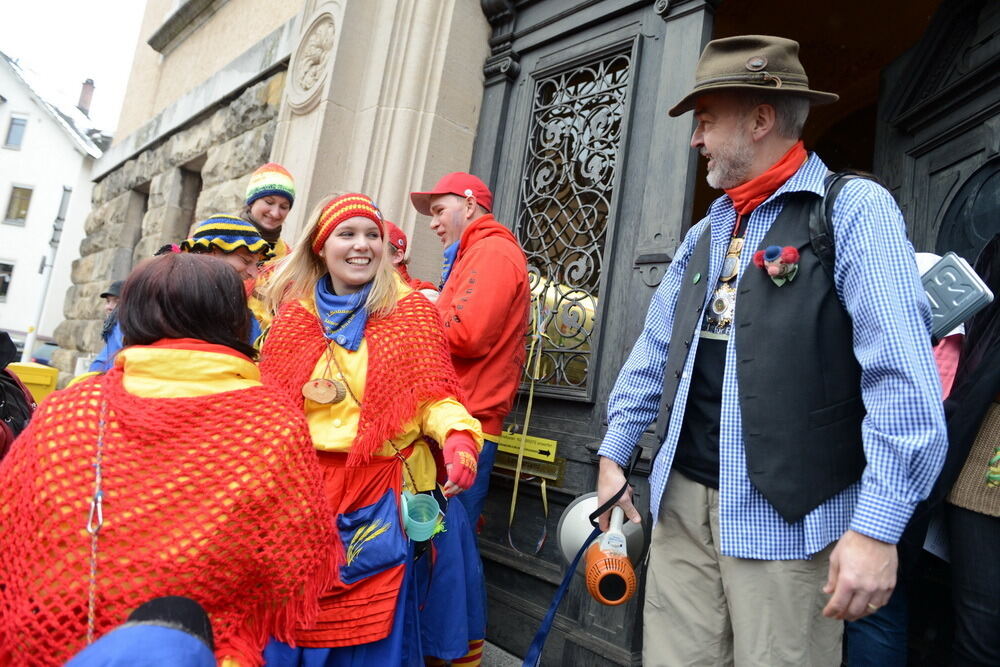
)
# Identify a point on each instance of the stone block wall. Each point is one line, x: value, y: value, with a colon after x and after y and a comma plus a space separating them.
x: 154, y: 198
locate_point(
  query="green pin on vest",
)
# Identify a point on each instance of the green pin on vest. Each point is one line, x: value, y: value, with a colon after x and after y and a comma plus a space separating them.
x: 696, y: 278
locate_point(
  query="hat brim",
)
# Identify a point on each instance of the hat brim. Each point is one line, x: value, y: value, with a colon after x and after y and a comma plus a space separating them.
x: 815, y: 97
x: 105, y: 295
x: 422, y: 201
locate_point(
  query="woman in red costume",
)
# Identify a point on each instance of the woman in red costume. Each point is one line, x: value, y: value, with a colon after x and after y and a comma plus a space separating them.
x: 175, y: 473
x: 366, y: 358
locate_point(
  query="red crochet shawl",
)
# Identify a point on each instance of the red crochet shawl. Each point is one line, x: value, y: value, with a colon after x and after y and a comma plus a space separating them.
x: 408, y: 365
x: 218, y: 498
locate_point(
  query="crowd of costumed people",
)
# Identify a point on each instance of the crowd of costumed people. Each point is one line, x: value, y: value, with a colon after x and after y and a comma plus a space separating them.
x: 248, y: 442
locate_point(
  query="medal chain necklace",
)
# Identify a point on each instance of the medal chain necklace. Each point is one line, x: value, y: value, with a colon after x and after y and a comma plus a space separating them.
x: 731, y: 264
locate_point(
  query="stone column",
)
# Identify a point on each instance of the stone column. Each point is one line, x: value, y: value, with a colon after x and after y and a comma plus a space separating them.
x: 383, y: 97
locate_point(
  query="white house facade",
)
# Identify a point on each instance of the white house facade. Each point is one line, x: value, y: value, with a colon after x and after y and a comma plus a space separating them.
x: 43, y: 151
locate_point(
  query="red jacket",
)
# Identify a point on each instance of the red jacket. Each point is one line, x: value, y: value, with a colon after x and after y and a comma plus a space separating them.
x: 484, y: 305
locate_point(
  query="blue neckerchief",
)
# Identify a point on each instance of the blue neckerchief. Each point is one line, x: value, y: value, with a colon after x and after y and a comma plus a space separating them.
x: 343, y: 317
x: 450, y: 253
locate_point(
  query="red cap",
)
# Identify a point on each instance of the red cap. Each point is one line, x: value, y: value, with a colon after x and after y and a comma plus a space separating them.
x: 456, y: 183
x: 396, y: 236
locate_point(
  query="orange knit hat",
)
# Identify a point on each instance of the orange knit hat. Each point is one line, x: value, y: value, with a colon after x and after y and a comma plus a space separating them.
x: 339, y: 209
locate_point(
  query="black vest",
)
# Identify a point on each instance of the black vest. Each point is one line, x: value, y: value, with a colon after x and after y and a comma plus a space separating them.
x: 799, y: 382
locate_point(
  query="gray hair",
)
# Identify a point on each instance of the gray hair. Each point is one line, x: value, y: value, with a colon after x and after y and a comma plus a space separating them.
x: 790, y: 111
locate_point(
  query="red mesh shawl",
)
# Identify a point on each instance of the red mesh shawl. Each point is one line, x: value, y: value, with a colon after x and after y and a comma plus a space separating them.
x: 217, y: 498
x: 408, y: 364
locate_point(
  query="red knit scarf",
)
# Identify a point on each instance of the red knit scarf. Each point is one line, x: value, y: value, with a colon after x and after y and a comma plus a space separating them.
x: 408, y: 365
x: 753, y: 193
x: 414, y: 283
x: 218, y: 498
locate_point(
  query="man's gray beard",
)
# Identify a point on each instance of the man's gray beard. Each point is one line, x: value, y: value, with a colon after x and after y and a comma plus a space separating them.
x: 732, y: 165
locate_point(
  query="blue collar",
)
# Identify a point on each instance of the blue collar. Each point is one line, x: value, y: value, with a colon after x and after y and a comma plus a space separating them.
x: 450, y: 253
x: 343, y: 317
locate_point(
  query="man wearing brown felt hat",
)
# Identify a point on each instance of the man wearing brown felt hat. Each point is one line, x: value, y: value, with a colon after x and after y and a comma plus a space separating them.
x: 790, y: 460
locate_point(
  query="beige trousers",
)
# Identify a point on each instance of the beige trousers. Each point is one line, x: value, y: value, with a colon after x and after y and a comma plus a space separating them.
x: 703, y: 608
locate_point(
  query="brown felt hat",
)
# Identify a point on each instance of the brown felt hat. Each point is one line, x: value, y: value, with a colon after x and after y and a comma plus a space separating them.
x: 753, y: 63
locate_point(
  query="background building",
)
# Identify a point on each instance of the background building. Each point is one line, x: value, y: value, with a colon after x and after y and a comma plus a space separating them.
x: 560, y: 106
x: 43, y: 149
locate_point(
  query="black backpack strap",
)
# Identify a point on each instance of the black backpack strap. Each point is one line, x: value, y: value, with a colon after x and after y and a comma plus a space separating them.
x: 821, y: 216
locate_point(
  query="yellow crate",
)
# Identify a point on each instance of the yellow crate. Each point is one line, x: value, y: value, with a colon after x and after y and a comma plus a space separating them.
x: 39, y: 378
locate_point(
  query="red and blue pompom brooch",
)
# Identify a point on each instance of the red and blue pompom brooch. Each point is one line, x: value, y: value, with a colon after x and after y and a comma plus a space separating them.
x: 781, y: 264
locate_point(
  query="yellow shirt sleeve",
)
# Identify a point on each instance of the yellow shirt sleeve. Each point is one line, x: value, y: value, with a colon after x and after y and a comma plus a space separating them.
x: 440, y: 417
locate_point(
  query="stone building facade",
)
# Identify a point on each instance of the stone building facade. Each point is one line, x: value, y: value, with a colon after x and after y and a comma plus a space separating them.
x: 155, y: 197
x: 380, y: 96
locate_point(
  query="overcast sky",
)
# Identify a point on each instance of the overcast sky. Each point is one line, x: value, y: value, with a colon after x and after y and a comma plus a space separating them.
x: 60, y: 43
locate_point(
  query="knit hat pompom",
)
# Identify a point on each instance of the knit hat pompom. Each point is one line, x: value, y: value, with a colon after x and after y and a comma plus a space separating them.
x: 345, y: 207
x: 397, y: 238
x: 227, y: 233
x: 270, y: 179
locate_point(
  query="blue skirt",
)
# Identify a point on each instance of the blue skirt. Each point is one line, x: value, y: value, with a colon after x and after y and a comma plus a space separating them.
x: 400, y: 647
x: 451, y: 589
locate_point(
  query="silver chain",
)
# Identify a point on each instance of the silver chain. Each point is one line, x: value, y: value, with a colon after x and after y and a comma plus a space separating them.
x: 95, y: 520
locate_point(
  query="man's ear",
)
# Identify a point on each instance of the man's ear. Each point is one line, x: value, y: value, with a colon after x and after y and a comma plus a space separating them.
x: 470, y: 207
x: 763, y: 120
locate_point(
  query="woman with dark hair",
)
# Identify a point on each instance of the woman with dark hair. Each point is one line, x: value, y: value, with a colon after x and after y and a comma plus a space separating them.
x: 176, y: 473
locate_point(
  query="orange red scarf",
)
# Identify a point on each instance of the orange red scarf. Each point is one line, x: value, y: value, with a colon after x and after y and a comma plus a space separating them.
x: 753, y: 193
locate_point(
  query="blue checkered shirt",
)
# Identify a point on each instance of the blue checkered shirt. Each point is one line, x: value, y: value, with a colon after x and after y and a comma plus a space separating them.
x: 903, y: 432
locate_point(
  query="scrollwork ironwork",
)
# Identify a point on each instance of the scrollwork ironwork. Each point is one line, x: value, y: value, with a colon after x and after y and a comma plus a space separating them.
x: 568, y: 178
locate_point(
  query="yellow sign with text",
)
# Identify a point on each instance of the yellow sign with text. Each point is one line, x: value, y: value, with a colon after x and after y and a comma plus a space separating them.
x: 541, y: 449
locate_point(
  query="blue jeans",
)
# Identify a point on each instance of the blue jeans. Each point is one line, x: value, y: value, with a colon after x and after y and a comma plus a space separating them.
x: 474, y: 498
x: 880, y: 639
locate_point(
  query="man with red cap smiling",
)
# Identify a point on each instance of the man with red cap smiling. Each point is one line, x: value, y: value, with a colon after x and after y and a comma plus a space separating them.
x: 484, y: 303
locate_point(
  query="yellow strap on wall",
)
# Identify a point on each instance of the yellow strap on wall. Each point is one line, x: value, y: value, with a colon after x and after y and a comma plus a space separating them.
x: 534, y: 351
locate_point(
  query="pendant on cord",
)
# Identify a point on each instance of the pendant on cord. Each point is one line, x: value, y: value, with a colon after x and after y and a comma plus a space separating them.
x: 324, y: 390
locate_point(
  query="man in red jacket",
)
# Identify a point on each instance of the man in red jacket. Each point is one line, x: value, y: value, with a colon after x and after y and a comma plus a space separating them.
x: 484, y: 303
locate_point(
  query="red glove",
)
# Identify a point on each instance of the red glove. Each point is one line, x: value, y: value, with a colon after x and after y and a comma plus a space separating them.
x: 461, y: 455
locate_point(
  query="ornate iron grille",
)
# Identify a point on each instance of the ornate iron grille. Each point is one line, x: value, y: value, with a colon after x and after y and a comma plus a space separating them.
x: 568, y: 179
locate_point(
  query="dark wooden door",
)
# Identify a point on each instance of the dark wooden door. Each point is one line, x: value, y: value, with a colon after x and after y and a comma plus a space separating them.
x: 596, y: 181
x: 939, y: 130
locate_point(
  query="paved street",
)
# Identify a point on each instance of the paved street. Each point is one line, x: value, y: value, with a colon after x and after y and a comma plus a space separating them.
x: 494, y: 656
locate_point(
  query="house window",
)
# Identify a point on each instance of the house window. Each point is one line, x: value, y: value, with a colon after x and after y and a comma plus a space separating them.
x: 15, y: 132
x: 6, y: 271
x: 17, y: 207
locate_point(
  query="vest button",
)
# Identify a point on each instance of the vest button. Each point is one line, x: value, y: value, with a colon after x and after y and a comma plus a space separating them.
x: 677, y: 374
x: 687, y: 343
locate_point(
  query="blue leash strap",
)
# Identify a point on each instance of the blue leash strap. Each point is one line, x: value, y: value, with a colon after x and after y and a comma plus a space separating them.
x: 534, y: 654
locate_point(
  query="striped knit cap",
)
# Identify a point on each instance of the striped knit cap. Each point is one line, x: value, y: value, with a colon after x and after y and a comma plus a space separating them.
x: 270, y: 179
x: 339, y: 209
x: 227, y: 233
